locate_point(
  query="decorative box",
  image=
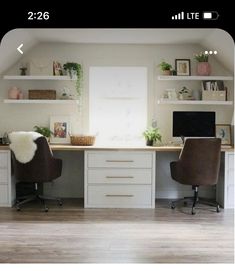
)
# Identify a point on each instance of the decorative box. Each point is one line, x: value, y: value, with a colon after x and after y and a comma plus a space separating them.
x: 211, y: 95
x: 42, y: 94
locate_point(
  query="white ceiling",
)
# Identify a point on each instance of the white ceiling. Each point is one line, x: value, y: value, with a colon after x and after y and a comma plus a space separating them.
x: 214, y: 38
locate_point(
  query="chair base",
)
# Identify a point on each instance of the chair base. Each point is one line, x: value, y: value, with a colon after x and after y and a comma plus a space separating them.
x: 195, y: 200
x: 185, y: 200
x: 22, y: 200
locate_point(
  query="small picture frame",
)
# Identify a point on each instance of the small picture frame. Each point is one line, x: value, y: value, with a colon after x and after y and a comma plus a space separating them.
x: 223, y: 131
x: 182, y: 67
x: 57, y: 68
x: 60, y: 126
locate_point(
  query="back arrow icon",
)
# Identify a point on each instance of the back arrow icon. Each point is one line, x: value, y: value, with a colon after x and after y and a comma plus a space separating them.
x: 19, y: 48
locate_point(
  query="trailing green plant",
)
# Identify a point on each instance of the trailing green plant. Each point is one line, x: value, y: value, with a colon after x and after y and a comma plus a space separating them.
x: 72, y: 66
x: 152, y: 134
x: 164, y: 66
x: 45, y: 131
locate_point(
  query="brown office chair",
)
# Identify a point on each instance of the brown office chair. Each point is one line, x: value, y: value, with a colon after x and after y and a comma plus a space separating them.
x: 42, y: 168
x: 198, y: 164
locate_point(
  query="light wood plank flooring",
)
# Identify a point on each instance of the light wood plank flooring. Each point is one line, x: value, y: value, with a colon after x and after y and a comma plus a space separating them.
x: 71, y: 234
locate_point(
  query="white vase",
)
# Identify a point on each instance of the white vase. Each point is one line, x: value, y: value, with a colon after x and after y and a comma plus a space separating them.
x: 72, y: 74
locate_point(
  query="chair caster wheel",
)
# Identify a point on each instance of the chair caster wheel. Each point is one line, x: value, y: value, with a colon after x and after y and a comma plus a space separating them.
x: 18, y: 209
x: 172, y: 206
x: 60, y: 203
x: 46, y: 209
x: 193, y: 211
x: 217, y: 209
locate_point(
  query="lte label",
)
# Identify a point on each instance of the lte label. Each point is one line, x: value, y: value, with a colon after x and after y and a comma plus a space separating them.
x: 192, y: 15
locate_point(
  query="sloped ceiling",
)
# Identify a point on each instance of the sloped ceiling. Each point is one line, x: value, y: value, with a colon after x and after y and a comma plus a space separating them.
x: 214, y: 39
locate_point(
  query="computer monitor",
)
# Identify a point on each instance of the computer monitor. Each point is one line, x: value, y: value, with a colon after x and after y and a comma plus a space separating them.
x: 193, y: 124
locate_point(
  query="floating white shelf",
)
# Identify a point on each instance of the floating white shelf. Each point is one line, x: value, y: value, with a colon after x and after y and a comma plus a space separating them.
x: 37, y: 77
x: 69, y: 102
x: 194, y: 77
x: 189, y: 102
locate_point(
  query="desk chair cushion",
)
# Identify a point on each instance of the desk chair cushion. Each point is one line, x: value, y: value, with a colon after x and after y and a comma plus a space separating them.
x: 23, y: 145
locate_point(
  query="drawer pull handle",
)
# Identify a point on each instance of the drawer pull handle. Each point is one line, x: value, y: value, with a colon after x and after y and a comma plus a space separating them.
x: 120, y: 161
x: 114, y: 195
x: 119, y: 177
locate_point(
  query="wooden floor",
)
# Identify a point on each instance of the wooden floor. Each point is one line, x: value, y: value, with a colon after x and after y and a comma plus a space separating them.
x: 71, y: 234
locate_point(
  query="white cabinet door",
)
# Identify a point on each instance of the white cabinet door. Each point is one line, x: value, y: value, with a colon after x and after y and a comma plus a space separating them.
x: 4, y: 195
x: 119, y: 176
x: 119, y: 159
x: 3, y: 159
x: 229, y: 181
x: 3, y: 175
x: 119, y: 196
x: 5, y: 179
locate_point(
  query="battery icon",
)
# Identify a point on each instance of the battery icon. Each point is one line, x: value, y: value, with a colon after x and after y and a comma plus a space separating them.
x: 210, y: 15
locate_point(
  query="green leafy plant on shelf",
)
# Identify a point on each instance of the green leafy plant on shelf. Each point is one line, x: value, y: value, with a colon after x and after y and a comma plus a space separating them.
x: 75, y: 68
x: 165, y: 67
x: 45, y: 131
x: 152, y: 135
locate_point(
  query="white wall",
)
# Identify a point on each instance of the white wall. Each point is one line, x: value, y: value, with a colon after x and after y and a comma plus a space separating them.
x: 24, y: 117
x: 14, y: 117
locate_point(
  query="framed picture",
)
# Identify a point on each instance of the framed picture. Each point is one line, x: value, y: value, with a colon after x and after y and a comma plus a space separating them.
x: 223, y: 131
x: 57, y: 68
x: 60, y: 126
x: 182, y: 66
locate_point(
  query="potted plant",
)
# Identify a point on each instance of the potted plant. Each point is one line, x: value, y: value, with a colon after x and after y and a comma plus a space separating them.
x: 43, y: 131
x: 203, y: 66
x: 151, y: 135
x: 165, y: 67
x: 75, y: 69
x: 183, y: 93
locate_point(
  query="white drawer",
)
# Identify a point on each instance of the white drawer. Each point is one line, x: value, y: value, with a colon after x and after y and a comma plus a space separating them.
x: 120, y: 159
x: 230, y: 196
x: 230, y: 170
x: 119, y: 196
x: 3, y: 195
x: 119, y: 176
x: 3, y: 159
x: 231, y: 161
x: 3, y: 175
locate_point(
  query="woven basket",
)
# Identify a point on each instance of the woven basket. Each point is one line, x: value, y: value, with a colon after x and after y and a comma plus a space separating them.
x: 42, y: 94
x: 82, y: 140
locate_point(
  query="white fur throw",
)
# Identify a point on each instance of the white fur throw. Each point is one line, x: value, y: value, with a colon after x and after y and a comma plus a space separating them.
x: 23, y: 146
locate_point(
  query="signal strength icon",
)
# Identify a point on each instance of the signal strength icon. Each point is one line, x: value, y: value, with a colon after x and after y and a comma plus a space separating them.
x: 179, y: 16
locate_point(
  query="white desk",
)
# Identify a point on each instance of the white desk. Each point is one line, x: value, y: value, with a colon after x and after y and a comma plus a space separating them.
x: 117, y: 191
